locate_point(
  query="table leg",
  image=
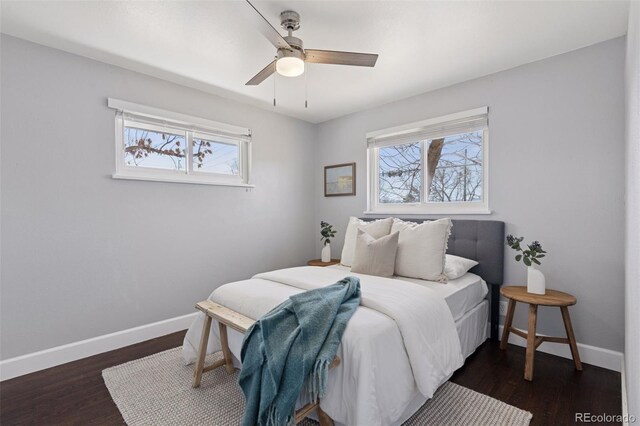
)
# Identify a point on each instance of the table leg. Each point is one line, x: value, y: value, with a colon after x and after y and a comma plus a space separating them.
x: 572, y: 338
x: 202, y: 351
x: 507, y: 324
x: 531, y: 342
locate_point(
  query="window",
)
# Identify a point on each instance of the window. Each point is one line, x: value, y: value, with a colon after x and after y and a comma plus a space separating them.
x: 436, y: 166
x: 152, y: 144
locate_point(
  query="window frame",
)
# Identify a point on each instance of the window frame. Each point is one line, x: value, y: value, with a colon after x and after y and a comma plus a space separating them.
x: 176, y: 123
x: 425, y: 207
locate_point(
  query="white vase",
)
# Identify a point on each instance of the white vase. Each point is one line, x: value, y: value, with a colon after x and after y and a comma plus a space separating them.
x: 326, y: 253
x: 535, y: 281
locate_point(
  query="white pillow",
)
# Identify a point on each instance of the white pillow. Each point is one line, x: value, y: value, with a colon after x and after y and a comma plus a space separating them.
x: 376, y: 229
x: 422, y: 248
x: 375, y: 256
x: 456, y: 266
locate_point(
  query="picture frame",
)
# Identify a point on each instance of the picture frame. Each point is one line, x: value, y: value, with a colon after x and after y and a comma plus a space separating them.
x: 340, y: 180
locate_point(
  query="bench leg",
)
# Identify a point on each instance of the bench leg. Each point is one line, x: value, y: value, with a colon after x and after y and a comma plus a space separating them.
x: 572, y: 338
x: 224, y: 342
x: 202, y: 351
x: 323, y: 417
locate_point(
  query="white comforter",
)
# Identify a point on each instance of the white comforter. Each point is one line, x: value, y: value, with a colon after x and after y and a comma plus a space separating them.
x: 402, y: 337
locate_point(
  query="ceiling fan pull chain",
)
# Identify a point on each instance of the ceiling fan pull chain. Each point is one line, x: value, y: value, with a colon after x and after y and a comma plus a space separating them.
x: 306, y: 88
x: 274, y: 90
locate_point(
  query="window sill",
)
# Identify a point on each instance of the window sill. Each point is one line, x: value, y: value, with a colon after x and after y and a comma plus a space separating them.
x: 180, y: 179
x: 434, y: 212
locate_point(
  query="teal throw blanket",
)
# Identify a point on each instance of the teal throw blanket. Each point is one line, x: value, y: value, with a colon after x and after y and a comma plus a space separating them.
x: 294, y: 342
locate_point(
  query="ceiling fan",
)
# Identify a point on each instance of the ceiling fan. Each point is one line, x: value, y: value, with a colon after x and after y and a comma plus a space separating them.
x: 291, y: 55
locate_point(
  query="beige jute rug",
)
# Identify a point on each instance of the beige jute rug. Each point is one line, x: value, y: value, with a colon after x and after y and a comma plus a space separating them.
x: 156, y: 390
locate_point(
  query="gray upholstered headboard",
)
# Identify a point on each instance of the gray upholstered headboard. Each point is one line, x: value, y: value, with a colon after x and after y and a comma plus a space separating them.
x: 482, y: 241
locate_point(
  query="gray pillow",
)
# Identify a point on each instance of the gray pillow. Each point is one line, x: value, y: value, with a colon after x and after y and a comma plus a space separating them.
x: 377, y: 228
x: 375, y: 256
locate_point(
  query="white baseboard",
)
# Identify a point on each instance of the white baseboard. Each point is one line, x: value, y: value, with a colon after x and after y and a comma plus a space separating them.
x: 623, y: 385
x: 36, y: 361
x: 600, y: 357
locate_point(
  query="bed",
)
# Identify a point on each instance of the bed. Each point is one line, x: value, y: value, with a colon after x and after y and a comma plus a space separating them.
x: 399, y: 346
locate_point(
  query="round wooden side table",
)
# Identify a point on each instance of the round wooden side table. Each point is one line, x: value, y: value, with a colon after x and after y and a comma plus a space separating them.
x: 550, y: 298
x: 318, y: 262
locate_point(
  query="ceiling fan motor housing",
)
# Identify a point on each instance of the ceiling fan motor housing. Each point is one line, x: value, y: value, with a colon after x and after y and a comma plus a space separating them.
x: 294, y: 53
x: 294, y: 42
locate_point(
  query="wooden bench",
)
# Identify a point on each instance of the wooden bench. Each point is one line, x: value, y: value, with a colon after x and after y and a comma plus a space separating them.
x: 229, y: 318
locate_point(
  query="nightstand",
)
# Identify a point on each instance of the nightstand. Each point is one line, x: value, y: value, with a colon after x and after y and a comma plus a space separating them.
x: 550, y: 298
x: 318, y: 262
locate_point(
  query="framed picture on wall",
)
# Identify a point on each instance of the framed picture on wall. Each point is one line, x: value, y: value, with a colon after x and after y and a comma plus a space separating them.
x: 340, y: 179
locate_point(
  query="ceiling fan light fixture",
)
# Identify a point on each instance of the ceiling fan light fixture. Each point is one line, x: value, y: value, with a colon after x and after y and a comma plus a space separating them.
x: 290, y: 66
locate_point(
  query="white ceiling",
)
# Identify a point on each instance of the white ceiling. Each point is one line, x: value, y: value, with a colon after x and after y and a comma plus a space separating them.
x: 212, y: 46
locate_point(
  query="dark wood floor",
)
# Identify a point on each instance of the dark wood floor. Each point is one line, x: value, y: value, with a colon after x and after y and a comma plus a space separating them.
x: 75, y: 394
x: 557, y: 391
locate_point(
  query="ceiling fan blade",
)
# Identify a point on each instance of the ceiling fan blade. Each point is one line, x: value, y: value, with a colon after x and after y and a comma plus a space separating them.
x: 267, y: 29
x: 340, y: 58
x: 262, y: 75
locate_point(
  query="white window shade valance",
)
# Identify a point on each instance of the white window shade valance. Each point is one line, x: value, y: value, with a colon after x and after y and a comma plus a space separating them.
x: 176, y: 121
x: 467, y: 121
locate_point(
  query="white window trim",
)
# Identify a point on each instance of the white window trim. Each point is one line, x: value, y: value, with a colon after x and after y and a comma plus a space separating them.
x: 235, y: 134
x: 374, y: 207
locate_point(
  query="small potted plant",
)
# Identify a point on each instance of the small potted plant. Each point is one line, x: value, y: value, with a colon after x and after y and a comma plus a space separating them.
x: 530, y: 256
x: 327, y: 233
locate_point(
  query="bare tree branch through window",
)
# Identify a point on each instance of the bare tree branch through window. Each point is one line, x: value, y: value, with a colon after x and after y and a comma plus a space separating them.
x: 454, y: 170
x: 145, y: 148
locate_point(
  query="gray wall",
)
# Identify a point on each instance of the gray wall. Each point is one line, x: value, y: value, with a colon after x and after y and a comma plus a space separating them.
x: 560, y: 120
x: 97, y: 255
x: 84, y: 254
x: 632, y: 296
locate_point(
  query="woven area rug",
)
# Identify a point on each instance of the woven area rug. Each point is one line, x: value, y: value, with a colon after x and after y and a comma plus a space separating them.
x: 156, y: 390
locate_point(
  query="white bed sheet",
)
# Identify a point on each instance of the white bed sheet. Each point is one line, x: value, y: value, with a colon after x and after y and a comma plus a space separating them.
x: 461, y: 294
